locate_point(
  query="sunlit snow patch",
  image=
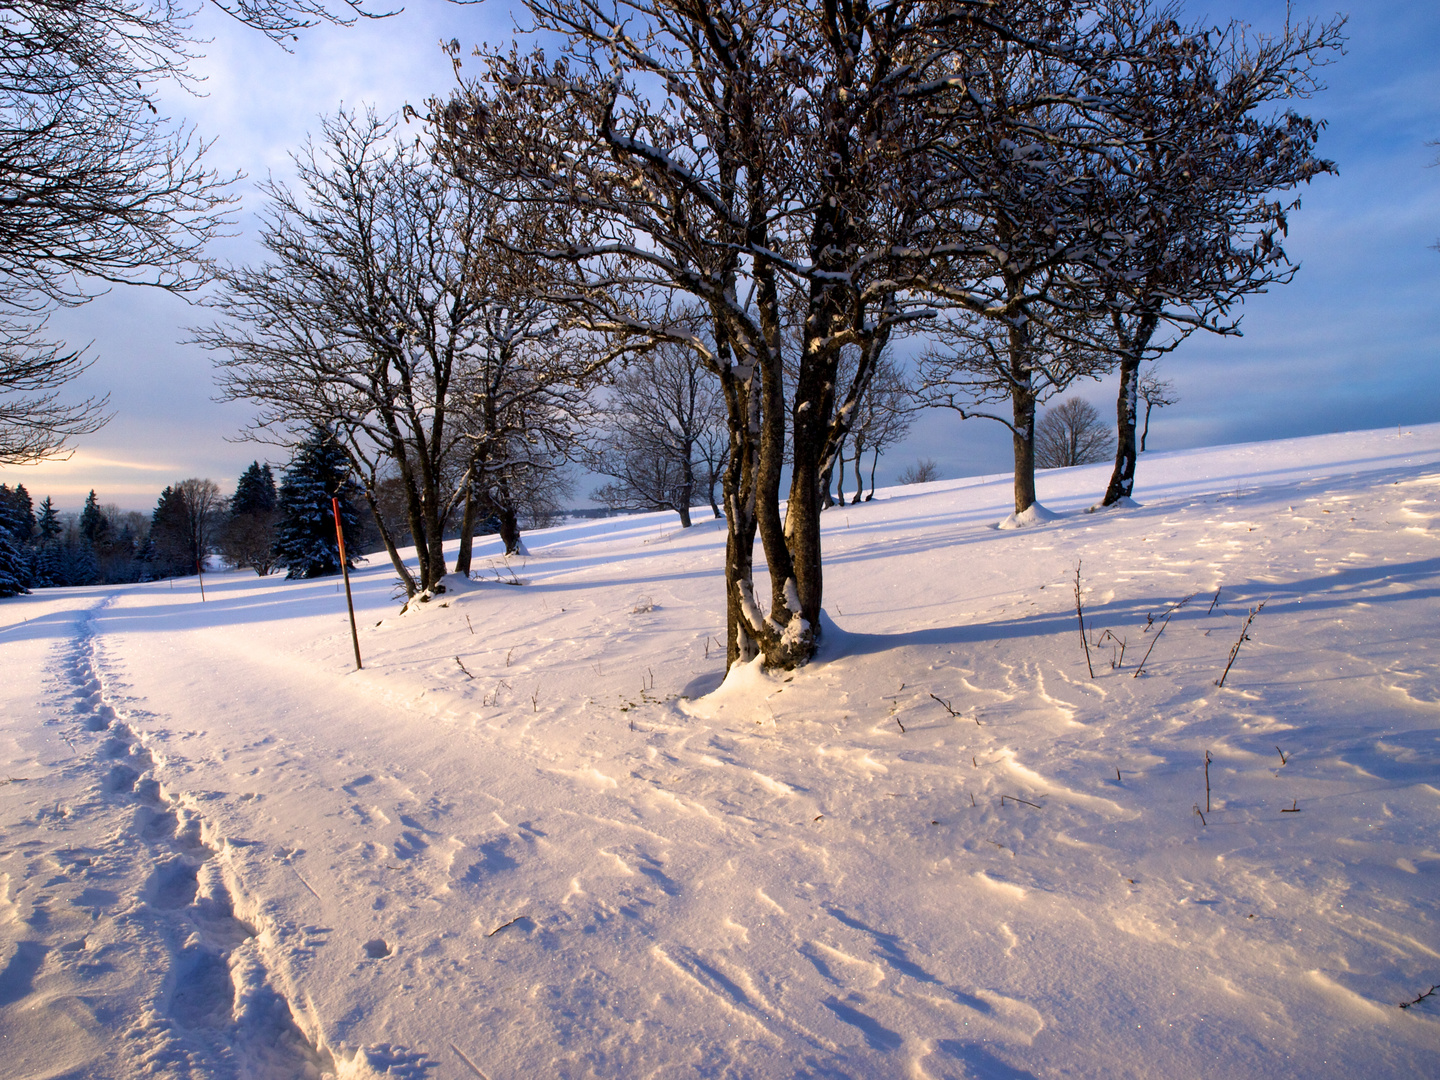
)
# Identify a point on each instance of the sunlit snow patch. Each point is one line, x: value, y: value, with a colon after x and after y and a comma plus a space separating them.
x: 746, y: 685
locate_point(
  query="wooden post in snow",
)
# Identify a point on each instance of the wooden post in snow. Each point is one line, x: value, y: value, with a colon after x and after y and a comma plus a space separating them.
x: 345, y: 570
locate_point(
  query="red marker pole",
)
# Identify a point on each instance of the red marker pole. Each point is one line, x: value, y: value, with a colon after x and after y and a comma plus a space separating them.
x: 345, y: 569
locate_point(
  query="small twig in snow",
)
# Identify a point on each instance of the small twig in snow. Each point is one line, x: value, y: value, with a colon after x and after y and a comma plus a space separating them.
x: 1419, y: 997
x: 900, y: 725
x: 1080, y: 614
x: 1171, y: 610
x: 1293, y: 808
x: 464, y: 668
x: 1213, y: 601
x: 1202, y: 816
x: 1244, y: 637
x: 1153, y: 642
x: 953, y: 713
x: 1117, y: 659
x: 1027, y: 802
x: 1283, y: 759
x: 467, y: 623
x: 1207, y: 781
x: 502, y: 926
x: 473, y: 1067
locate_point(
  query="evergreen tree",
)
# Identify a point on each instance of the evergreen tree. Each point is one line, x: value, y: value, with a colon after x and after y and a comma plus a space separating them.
x: 305, y: 536
x: 93, y: 524
x: 17, y: 525
x: 248, y: 535
x: 167, y: 552
x: 47, y: 525
x: 254, y: 491
x: 19, y: 512
x: 182, y: 527
x: 48, y: 547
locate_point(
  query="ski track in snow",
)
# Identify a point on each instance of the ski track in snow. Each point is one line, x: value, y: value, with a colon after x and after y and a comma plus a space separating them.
x: 548, y: 863
x: 207, y: 1006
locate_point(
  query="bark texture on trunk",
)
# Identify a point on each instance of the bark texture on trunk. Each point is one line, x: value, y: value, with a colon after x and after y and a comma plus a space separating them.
x: 402, y: 571
x: 1122, y: 477
x: 465, y: 554
x: 1133, y: 344
x: 1022, y: 430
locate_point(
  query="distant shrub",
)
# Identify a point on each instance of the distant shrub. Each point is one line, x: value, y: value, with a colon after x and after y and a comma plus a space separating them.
x: 922, y: 472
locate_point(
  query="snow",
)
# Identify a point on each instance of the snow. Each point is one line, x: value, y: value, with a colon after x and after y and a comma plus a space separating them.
x: 1031, y: 516
x: 536, y: 836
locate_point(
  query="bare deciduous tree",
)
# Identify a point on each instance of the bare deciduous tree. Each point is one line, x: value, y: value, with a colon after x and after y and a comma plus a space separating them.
x: 1156, y: 393
x: 376, y: 318
x: 663, y: 441
x: 883, y: 419
x: 96, y: 186
x: 1196, y: 174
x: 923, y: 471
x: 1023, y: 195
x: 1071, y: 433
x: 783, y: 157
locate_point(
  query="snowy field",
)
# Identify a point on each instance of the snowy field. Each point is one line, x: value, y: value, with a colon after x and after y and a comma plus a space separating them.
x: 531, y: 839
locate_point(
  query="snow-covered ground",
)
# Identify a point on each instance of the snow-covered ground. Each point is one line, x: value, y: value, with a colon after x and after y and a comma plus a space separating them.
x: 530, y: 840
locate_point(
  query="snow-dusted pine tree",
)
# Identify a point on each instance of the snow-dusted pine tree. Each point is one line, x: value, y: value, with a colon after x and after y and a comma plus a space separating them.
x: 305, y: 536
x: 17, y: 524
x: 247, y: 538
x: 49, y: 533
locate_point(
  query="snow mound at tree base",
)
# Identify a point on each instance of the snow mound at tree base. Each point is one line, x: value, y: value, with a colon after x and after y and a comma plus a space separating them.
x: 1033, y: 515
x: 746, y: 686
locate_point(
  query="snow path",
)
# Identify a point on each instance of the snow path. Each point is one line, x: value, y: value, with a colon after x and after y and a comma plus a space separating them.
x: 508, y: 848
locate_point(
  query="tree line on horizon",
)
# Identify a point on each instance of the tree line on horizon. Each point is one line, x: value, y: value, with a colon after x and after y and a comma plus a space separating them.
x: 262, y: 526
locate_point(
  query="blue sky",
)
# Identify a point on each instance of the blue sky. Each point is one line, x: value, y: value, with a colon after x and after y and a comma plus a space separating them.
x: 1352, y: 343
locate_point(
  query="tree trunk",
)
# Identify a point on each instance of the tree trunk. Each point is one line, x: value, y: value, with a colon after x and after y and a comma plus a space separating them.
x: 792, y: 543
x: 1145, y: 431
x: 738, y: 491
x: 1122, y: 477
x: 1133, y: 346
x: 874, y: 461
x: 687, y: 488
x: 827, y: 500
x: 509, y: 519
x: 467, y: 527
x: 1022, y: 431
x: 406, y: 578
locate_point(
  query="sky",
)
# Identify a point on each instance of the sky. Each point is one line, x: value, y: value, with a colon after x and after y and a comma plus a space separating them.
x: 1350, y: 344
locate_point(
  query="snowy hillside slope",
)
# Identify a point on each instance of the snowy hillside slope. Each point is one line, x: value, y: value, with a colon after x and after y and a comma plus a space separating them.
x: 531, y: 839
